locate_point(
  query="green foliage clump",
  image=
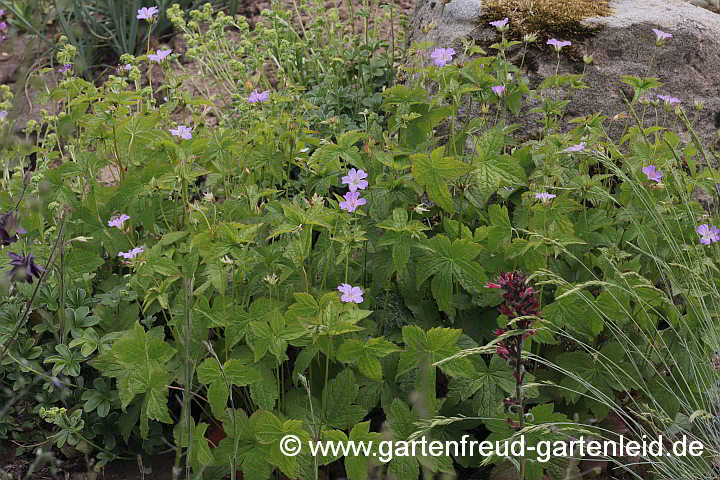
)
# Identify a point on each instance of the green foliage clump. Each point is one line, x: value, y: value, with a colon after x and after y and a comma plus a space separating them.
x: 220, y: 287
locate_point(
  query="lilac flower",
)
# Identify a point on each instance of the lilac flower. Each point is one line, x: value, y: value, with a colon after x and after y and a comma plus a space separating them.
x: 146, y: 13
x: 653, y: 173
x: 576, y: 148
x: 352, y: 201
x: 559, y: 44
x: 160, y: 55
x: 500, y: 24
x: 545, y: 196
x: 2, y: 12
x: 24, y: 268
x: 669, y: 100
x: 442, y: 56
x: 351, y: 294
x: 131, y: 253
x: 3, y: 26
x: 355, y: 180
x: 660, y: 37
x: 3, y: 114
x: 118, y: 220
x: 256, y: 97
x: 65, y: 68
x: 498, y: 90
x: 708, y: 234
x: 182, y: 131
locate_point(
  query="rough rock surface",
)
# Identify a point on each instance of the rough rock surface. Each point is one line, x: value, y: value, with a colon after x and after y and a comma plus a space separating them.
x: 688, y: 65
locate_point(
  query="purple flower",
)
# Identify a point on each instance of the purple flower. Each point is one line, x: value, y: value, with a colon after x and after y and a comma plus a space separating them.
x: 498, y: 90
x: 9, y: 228
x: 256, y: 97
x: 3, y: 26
x: 500, y: 24
x: 653, y: 173
x: 352, y: 201
x: 669, y: 100
x: 708, y: 234
x: 350, y: 294
x: 660, y: 36
x: 118, y: 220
x: 355, y: 180
x: 146, y: 13
x: 160, y: 55
x: 182, y: 131
x: 24, y: 268
x: 2, y: 12
x: 3, y: 114
x: 559, y: 44
x: 576, y: 148
x: 65, y: 68
x: 132, y: 253
x: 545, y: 196
x: 442, y: 56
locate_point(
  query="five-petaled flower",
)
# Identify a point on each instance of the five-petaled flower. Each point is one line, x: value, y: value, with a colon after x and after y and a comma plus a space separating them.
x: 118, y: 220
x: 559, y: 44
x: 545, y: 196
x: 132, y: 253
x: 660, y: 37
x: 160, y: 55
x: 498, y: 90
x: 441, y: 56
x: 500, y: 24
x: 653, y: 173
x: 669, y: 100
x: 708, y: 234
x: 24, y: 268
x: 355, y: 180
x: 182, y: 131
x: 146, y: 13
x: 576, y: 148
x: 352, y: 201
x: 351, y: 294
x: 256, y: 97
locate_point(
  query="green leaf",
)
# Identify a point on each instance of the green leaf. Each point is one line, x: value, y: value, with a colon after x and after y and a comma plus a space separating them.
x: 337, y: 400
x: 434, y: 171
x: 366, y: 354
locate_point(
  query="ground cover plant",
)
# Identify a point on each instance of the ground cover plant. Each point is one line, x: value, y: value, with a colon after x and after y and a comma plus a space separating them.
x: 337, y: 256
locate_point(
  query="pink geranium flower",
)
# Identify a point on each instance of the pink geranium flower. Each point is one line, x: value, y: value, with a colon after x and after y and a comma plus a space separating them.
x: 441, y: 56
x: 545, y: 196
x: 351, y: 294
x: 132, y: 253
x: 653, y: 173
x: 559, y: 44
x: 118, y: 220
x: 355, y: 180
x: 256, y: 97
x: 182, y: 131
x: 160, y: 55
x: 708, y: 234
x: 146, y: 13
x: 352, y: 201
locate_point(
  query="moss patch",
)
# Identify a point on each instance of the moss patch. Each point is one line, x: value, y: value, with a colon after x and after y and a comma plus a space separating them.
x: 548, y: 16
